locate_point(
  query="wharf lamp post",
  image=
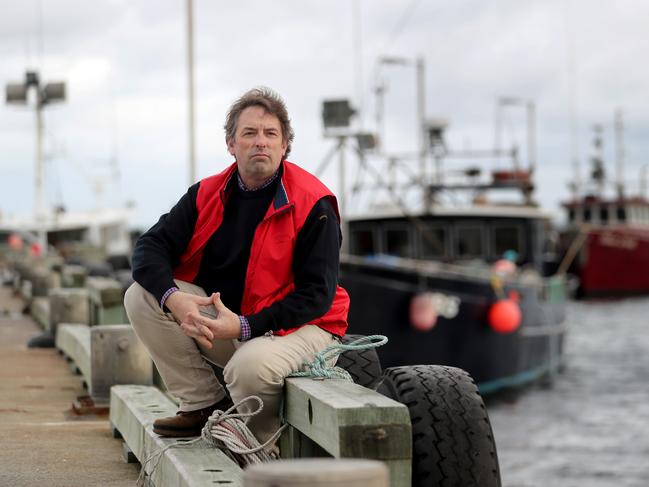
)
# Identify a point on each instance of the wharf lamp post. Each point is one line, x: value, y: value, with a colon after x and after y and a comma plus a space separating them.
x: 17, y: 94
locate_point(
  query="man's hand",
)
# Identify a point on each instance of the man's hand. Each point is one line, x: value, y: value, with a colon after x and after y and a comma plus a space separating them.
x: 180, y: 303
x: 225, y: 327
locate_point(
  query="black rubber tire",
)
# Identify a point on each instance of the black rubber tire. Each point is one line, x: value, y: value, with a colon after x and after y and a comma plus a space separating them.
x: 452, y: 439
x: 363, y: 365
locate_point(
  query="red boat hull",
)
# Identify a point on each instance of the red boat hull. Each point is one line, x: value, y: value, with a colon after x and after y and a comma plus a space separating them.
x: 615, y: 261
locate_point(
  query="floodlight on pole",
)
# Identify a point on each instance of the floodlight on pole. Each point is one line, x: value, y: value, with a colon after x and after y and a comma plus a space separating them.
x: 337, y: 113
x: 17, y: 94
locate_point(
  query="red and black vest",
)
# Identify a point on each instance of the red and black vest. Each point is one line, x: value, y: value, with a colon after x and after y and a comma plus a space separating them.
x: 269, y: 276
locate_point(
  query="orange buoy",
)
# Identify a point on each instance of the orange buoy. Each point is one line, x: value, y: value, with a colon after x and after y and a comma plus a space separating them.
x: 505, y: 316
x: 423, y: 314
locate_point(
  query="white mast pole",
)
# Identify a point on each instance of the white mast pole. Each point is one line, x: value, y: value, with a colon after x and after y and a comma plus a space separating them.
x: 190, y: 83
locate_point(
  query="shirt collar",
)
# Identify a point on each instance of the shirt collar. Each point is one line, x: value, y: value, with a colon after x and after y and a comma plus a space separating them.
x: 267, y: 183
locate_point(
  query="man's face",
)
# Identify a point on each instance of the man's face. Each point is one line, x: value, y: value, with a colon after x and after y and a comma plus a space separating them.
x: 258, y: 145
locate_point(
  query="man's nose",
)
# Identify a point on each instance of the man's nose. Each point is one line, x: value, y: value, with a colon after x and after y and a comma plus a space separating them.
x: 261, y: 140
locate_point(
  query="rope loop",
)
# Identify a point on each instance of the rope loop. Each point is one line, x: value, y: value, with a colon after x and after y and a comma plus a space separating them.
x: 318, y: 366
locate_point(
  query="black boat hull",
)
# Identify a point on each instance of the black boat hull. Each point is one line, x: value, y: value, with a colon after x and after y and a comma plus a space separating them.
x: 380, y: 302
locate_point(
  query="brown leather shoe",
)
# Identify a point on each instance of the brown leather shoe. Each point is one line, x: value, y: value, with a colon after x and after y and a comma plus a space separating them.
x: 188, y: 423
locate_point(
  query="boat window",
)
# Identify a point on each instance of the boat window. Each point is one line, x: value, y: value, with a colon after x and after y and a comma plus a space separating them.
x: 603, y: 215
x: 469, y: 242
x: 397, y: 242
x: 621, y: 214
x: 571, y: 214
x: 433, y: 242
x: 588, y: 214
x: 362, y: 242
x: 507, y: 237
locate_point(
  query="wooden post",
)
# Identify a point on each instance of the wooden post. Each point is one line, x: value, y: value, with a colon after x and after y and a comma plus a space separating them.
x: 68, y: 306
x: 73, y: 276
x: 106, y: 301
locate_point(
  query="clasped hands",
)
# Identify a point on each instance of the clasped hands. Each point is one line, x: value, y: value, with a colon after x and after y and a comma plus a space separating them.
x: 185, y: 308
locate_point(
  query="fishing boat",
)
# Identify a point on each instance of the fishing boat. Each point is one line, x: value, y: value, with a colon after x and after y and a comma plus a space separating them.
x: 104, y: 229
x: 459, y: 277
x: 606, y: 238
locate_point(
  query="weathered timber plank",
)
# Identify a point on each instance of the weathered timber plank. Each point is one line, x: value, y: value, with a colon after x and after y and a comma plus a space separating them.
x: 350, y: 421
x: 74, y: 341
x: 132, y: 411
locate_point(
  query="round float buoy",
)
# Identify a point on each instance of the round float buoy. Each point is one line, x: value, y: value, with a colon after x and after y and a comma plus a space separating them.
x: 15, y: 241
x: 504, y: 267
x: 505, y: 316
x: 35, y: 250
x: 423, y: 314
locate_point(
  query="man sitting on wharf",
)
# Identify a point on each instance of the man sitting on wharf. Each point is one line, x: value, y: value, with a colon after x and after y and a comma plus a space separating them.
x: 242, y: 272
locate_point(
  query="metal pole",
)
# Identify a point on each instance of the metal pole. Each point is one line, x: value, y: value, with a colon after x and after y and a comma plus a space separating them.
x: 190, y: 82
x: 358, y: 60
x: 531, y: 136
x: 380, y: 119
x: 497, y: 128
x: 341, y: 175
x: 39, y: 197
x: 421, y: 122
x: 341, y: 195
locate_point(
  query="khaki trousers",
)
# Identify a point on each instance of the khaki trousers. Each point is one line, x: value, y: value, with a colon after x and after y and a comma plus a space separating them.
x: 254, y: 367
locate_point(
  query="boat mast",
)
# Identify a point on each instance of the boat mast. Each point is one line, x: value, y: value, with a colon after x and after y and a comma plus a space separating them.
x: 619, y: 152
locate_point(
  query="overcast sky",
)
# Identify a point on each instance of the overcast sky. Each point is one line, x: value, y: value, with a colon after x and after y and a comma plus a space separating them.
x: 124, y: 65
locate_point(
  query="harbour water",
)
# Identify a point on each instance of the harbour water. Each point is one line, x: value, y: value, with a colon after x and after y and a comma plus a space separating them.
x: 591, y: 428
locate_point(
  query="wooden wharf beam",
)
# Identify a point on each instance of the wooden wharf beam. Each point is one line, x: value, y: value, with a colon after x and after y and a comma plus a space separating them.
x: 132, y: 411
x: 343, y: 418
x: 347, y: 420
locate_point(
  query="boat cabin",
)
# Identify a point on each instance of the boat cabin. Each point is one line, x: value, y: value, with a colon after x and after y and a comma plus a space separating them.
x: 452, y: 238
x: 608, y: 212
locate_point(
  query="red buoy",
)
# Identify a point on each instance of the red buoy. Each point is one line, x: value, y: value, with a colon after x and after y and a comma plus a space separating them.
x: 15, y: 242
x: 423, y: 314
x: 505, y: 316
x: 35, y: 250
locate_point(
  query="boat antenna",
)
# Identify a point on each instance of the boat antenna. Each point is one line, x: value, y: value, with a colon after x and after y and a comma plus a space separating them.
x: 357, y: 40
x: 572, y: 98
